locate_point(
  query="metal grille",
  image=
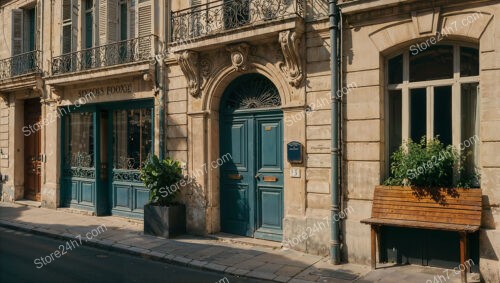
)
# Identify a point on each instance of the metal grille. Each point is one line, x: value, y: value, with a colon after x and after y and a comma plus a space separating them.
x: 121, y: 52
x: 251, y: 92
x: 22, y: 64
x: 219, y: 16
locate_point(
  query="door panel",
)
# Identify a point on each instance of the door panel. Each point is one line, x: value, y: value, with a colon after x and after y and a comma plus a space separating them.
x: 79, y: 160
x: 32, y: 151
x: 270, y: 178
x: 129, y: 146
x: 237, y: 177
x: 104, y: 147
x: 270, y: 210
x: 252, y: 181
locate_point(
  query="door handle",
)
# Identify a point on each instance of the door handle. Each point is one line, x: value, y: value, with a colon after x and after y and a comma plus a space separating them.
x: 258, y: 175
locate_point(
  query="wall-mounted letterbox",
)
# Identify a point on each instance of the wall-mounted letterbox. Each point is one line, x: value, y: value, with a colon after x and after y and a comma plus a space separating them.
x: 294, y: 152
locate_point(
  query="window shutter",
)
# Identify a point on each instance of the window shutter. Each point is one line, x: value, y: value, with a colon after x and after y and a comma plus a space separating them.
x: 112, y: 10
x: 132, y: 23
x: 144, y: 18
x: 103, y: 16
x: 17, y: 31
x: 74, y: 25
x: 38, y: 21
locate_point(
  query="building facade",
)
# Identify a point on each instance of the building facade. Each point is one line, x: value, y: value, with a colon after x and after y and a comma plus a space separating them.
x: 240, y: 93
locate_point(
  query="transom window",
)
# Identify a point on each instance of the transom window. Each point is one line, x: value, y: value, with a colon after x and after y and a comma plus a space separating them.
x: 433, y: 93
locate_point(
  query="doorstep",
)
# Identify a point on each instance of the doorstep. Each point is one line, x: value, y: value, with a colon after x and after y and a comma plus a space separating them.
x: 27, y: 202
x: 236, y: 239
x: 206, y: 253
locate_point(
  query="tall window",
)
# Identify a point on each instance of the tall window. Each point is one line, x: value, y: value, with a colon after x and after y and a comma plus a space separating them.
x: 68, y: 39
x: 88, y: 37
x: 132, y: 137
x: 432, y: 93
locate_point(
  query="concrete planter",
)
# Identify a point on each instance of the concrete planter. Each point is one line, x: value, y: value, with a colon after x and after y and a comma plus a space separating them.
x: 163, y: 221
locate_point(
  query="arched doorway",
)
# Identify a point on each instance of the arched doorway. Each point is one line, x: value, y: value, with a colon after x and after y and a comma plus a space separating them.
x: 251, y: 182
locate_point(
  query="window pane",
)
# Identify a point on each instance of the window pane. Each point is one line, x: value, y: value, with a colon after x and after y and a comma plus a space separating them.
x: 442, y: 114
x: 469, y: 62
x: 395, y: 117
x: 89, y: 4
x: 133, y: 137
x: 66, y: 10
x: 396, y: 70
x: 434, y: 63
x: 470, y: 124
x: 79, y: 151
x: 418, y: 114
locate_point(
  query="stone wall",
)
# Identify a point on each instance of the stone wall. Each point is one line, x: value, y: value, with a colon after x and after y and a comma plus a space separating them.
x: 6, y: 193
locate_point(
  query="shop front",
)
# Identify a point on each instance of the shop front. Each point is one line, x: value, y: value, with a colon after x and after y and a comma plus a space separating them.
x: 104, y: 146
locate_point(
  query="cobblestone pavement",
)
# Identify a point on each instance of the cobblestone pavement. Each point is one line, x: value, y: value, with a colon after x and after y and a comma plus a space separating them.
x: 124, y: 235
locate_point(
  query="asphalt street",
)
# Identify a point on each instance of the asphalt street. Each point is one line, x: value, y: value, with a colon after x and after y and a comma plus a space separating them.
x: 32, y: 258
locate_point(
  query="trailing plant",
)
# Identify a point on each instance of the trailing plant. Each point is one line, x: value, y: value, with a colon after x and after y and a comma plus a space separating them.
x: 429, y: 164
x: 161, y: 178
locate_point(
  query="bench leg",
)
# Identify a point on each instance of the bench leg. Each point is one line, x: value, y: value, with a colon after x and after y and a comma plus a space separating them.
x: 374, y: 245
x: 463, y: 254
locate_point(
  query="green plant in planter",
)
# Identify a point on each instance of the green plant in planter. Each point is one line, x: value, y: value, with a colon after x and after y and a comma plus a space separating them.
x: 429, y: 164
x: 161, y: 177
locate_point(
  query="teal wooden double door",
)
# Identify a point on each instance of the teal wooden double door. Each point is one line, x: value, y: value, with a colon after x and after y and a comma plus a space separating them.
x: 103, y: 148
x: 251, y: 181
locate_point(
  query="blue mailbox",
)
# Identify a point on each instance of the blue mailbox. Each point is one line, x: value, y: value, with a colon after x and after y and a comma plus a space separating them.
x: 294, y: 152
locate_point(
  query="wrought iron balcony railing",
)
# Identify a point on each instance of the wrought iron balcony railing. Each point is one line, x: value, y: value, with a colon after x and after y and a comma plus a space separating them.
x: 22, y: 64
x: 117, y: 53
x: 224, y: 15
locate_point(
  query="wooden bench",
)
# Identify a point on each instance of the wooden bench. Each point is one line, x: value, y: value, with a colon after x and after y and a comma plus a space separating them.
x: 456, y: 210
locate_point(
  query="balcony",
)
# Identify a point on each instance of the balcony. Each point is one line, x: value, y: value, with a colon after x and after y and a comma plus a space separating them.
x: 122, y: 53
x: 229, y: 21
x: 20, y: 65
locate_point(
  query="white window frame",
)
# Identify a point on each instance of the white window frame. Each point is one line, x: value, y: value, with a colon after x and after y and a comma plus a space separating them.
x: 405, y: 88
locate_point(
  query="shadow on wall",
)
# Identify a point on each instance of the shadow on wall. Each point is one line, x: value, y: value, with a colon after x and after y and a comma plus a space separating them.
x: 486, y: 248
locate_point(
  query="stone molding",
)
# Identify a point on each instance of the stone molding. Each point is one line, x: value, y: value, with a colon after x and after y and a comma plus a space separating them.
x: 55, y: 95
x: 406, y: 32
x: 426, y: 22
x: 239, y: 56
x: 188, y: 61
x: 4, y: 97
x: 290, y: 42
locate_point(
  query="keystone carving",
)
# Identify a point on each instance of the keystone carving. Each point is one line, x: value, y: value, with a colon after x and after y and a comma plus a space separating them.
x: 290, y: 46
x: 188, y: 61
x: 239, y: 56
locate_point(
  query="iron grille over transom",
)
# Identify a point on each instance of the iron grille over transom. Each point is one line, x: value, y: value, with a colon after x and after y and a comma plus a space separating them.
x: 252, y: 91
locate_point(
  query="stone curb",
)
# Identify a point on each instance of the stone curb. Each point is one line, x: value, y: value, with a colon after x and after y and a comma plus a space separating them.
x: 144, y: 253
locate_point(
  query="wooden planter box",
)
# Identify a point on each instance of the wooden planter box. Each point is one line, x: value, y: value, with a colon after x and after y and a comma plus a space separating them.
x: 163, y: 221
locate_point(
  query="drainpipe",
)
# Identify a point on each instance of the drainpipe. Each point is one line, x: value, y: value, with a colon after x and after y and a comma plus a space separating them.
x: 335, y: 208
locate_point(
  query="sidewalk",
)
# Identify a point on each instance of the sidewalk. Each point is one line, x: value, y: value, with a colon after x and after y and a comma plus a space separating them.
x: 266, y: 263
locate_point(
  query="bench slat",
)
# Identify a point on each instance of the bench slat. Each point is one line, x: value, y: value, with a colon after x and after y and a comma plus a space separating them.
x: 399, y: 206
x: 472, y: 191
x: 403, y: 204
x: 426, y: 216
x: 421, y: 224
x: 412, y: 209
x: 448, y: 201
x: 410, y: 195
